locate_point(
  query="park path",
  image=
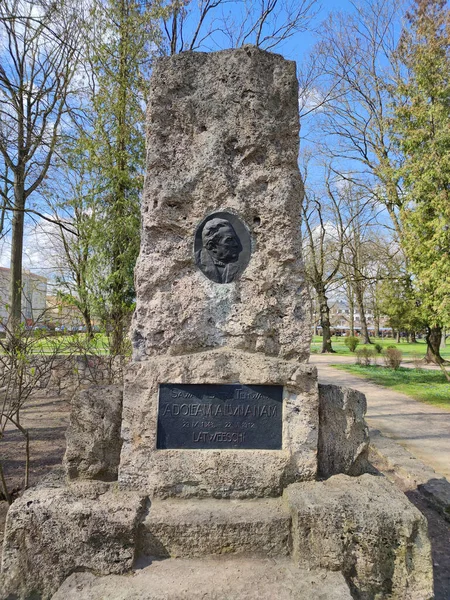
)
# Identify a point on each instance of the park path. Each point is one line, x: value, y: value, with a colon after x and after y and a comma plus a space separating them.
x: 422, y: 429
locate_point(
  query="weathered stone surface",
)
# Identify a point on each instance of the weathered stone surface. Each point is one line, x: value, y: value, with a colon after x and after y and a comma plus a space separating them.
x: 218, y: 473
x: 437, y: 491
x: 343, y: 432
x: 366, y: 528
x: 210, y: 579
x: 222, y: 140
x: 52, y: 532
x: 222, y: 136
x: 93, y: 435
x: 192, y: 528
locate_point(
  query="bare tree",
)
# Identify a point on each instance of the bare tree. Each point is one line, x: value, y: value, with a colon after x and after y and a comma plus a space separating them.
x: 69, y: 237
x: 206, y: 24
x: 364, y: 247
x: 322, y: 239
x: 353, y: 72
x: 353, y: 68
x: 27, y: 359
x: 39, y: 52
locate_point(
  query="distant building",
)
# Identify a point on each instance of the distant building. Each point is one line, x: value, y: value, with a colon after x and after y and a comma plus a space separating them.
x: 34, y: 292
x: 340, y: 321
x: 63, y: 314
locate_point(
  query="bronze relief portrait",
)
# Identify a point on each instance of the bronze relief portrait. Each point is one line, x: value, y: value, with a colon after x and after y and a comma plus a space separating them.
x: 222, y: 247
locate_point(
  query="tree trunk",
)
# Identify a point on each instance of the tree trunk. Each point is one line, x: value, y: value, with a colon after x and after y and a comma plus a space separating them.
x: 351, y: 307
x: 16, y: 254
x: 87, y: 322
x: 324, y: 321
x: 4, y: 485
x: 413, y: 337
x: 362, y: 314
x: 117, y: 314
x: 377, y: 325
x: 116, y: 338
x: 398, y: 337
x: 433, y: 339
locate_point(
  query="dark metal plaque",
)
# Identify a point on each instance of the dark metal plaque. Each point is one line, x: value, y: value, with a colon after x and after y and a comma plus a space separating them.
x: 220, y: 416
x: 222, y: 247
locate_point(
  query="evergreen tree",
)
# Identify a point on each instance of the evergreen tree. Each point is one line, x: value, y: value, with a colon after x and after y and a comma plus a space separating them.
x: 115, y: 150
x: 421, y: 128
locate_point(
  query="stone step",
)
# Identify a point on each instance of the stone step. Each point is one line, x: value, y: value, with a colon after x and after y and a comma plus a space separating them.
x: 217, y: 578
x: 180, y: 528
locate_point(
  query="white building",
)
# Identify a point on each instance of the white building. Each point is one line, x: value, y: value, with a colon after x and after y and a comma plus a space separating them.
x: 34, y: 292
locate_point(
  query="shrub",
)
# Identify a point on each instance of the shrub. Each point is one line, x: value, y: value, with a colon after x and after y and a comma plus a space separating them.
x: 392, y: 357
x: 351, y: 342
x: 378, y: 348
x: 364, y: 356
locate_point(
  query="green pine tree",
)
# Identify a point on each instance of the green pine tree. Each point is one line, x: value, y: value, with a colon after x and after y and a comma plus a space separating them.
x: 115, y: 146
x: 421, y: 128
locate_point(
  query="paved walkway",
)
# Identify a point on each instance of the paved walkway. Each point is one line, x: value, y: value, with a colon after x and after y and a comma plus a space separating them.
x: 420, y: 428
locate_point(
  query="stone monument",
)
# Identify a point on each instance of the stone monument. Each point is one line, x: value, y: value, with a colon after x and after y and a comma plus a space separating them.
x: 232, y: 464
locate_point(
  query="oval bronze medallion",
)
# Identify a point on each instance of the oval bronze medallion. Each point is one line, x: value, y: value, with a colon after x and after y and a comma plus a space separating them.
x: 222, y: 247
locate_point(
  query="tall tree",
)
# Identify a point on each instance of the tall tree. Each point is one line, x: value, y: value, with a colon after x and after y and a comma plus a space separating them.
x: 69, y: 243
x: 119, y: 53
x: 359, y: 242
x: 421, y: 129
x: 38, y: 51
x: 357, y: 67
x: 351, y: 69
x: 322, y: 226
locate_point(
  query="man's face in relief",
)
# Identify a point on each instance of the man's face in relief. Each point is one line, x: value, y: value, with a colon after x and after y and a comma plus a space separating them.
x: 222, y: 242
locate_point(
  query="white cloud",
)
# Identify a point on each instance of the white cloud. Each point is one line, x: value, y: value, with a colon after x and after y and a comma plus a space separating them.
x: 5, y: 252
x: 42, y: 252
x: 310, y: 99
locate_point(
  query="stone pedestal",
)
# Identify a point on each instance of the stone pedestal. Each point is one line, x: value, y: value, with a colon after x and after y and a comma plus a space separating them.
x: 231, y: 473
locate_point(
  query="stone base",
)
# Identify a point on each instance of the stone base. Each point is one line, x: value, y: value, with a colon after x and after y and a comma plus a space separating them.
x: 362, y: 527
x: 343, y: 432
x: 218, y: 473
x: 53, y: 531
x: 221, y: 578
x: 93, y: 435
x: 192, y: 528
x: 367, y: 529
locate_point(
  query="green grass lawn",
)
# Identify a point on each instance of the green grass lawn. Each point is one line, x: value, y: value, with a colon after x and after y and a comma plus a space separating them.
x: 76, y: 343
x: 410, y: 351
x: 422, y: 384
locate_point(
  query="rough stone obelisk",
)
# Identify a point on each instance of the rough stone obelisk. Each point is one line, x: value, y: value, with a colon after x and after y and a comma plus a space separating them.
x: 223, y: 140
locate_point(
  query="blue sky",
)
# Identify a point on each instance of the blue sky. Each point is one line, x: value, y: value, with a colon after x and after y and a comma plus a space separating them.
x: 302, y: 43
x: 232, y: 11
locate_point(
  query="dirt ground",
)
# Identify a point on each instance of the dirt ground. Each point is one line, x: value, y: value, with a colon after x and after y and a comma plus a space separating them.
x: 47, y: 418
